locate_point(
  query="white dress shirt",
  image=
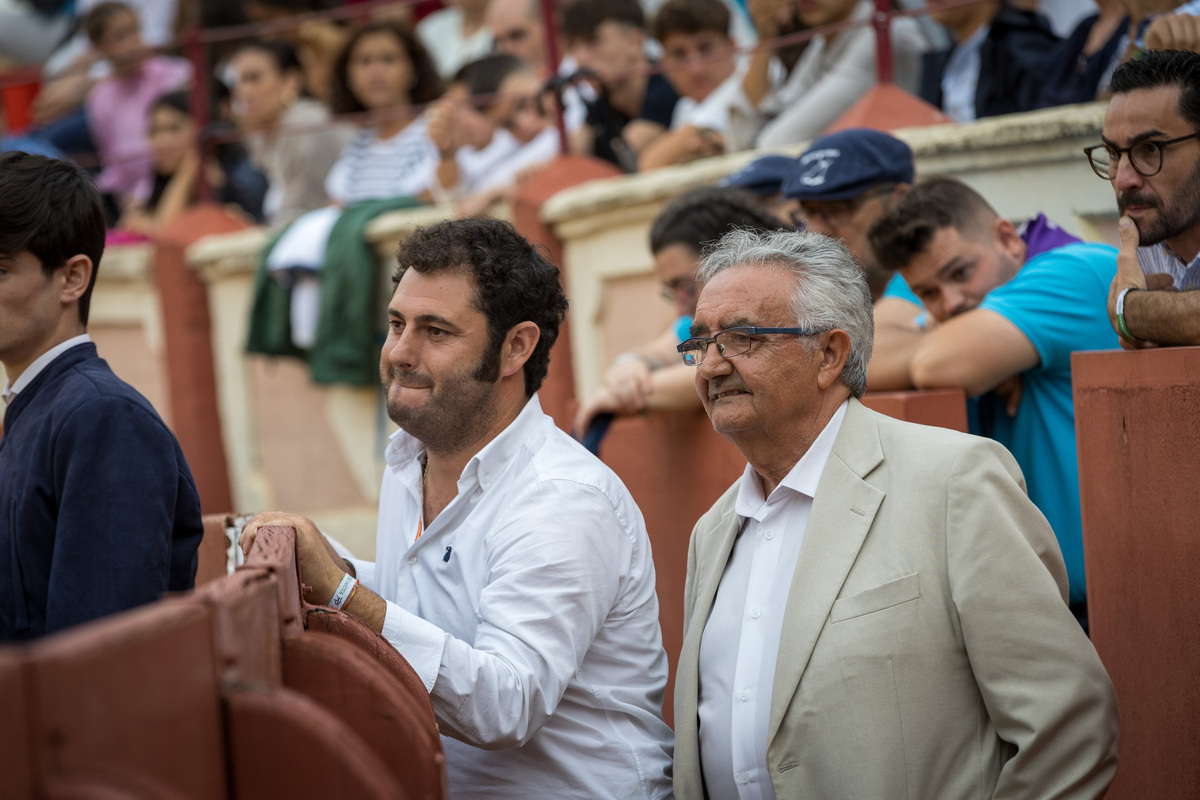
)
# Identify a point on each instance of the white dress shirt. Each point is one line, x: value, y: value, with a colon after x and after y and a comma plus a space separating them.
x: 961, y: 77
x: 714, y: 110
x: 735, y: 681
x: 13, y: 388
x: 528, y: 609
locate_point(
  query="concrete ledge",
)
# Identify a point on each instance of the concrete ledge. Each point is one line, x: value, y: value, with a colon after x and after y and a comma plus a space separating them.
x: 938, y: 149
x: 217, y: 256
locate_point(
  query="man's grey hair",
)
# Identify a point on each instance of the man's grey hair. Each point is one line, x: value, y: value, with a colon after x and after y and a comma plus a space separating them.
x: 831, y: 290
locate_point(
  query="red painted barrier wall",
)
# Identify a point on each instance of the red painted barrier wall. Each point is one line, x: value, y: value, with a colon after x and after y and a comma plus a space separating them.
x: 191, y: 374
x: 1137, y: 421
x: 557, y: 394
x: 223, y: 693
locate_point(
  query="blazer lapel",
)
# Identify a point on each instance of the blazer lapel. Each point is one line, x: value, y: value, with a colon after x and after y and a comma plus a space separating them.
x: 711, y: 559
x: 712, y: 554
x: 843, y: 510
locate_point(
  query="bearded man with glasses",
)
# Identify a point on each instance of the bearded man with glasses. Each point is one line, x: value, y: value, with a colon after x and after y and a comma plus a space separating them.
x: 1151, y: 155
x: 875, y: 608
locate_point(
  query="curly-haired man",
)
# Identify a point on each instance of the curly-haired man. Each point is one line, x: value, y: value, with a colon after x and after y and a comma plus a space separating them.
x: 513, y: 569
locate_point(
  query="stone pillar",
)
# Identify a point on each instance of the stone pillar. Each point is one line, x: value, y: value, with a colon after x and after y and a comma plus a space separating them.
x: 1137, y: 422
x: 187, y: 331
x: 558, y: 392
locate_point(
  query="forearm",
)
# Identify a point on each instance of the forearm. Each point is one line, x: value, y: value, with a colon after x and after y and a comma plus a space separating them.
x: 673, y: 389
x: 639, y: 133
x: 1171, y: 318
x: 367, y: 607
x: 976, y: 352
x: 757, y: 83
x: 890, y: 369
x: 668, y: 149
x: 938, y: 367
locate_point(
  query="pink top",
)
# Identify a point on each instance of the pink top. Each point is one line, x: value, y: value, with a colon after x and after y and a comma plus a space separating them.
x: 117, y: 110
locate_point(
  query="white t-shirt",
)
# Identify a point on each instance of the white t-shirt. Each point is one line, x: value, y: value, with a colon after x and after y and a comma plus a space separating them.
x: 371, y: 168
x: 713, y: 111
x: 441, y: 33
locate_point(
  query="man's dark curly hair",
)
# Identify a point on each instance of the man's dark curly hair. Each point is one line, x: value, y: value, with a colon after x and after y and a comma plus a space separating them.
x: 1157, y: 68
x: 52, y: 209
x: 426, y: 83
x: 903, y: 233
x: 514, y: 283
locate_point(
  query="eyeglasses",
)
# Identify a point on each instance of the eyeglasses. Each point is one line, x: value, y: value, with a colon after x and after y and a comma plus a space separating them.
x: 1146, y: 158
x: 730, y: 342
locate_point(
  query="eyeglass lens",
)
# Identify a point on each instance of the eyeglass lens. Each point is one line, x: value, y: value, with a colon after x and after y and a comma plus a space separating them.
x: 729, y: 344
x: 1145, y: 157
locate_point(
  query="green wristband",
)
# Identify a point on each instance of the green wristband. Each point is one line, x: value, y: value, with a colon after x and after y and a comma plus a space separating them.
x: 1124, y: 330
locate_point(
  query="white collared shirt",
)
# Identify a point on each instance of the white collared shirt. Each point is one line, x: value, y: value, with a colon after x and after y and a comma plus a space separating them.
x: 13, y: 388
x: 528, y: 609
x: 714, y: 110
x: 961, y: 77
x: 736, y: 681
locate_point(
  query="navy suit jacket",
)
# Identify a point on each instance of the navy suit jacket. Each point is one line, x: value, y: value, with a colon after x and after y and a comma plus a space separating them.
x: 98, y: 510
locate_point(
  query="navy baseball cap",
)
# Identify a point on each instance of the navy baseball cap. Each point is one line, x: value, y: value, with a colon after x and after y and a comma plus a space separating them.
x: 847, y: 163
x: 763, y: 176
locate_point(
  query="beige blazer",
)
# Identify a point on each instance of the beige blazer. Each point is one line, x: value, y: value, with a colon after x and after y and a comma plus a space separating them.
x: 927, y: 649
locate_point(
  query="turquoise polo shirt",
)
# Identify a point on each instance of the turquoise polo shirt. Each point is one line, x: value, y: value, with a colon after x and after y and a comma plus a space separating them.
x: 1059, y: 300
x: 898, y: 287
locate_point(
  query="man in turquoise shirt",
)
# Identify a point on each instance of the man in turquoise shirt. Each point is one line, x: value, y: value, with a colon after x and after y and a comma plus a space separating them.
x: 1007, y: 325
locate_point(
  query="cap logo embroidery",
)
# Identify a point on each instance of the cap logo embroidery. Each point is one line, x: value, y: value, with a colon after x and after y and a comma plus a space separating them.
x: 816, y: 164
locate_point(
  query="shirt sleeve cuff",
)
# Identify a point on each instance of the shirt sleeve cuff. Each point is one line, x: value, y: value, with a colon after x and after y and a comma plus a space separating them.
x: 363, y: 570
x: 420, y: 642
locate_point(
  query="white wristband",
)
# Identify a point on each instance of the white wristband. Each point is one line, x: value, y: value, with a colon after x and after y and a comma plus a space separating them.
x: 1121, y: 299
x: 628, y: 358
x: 342, y: 593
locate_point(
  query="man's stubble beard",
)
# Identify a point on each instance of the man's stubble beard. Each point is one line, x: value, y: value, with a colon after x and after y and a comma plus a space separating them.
x: 457, y: 413
x: 1182, y: 214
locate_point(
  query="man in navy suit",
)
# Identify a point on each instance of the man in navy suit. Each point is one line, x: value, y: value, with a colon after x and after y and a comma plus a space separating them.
x: 98, y: 510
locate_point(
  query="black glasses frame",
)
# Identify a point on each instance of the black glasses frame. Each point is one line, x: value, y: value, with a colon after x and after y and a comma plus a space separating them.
x: 1128, y: 153
x: 698, y: 352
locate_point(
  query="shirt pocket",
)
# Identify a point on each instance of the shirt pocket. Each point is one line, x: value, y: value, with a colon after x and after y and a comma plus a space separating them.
x: 880, y: 598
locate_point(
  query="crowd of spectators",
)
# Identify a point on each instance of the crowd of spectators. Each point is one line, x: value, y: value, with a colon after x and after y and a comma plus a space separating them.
x: 641, y: 83
x: 316, y: 128
x: 326, y: 119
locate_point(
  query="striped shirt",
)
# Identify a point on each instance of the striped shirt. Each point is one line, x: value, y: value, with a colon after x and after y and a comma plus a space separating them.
x: 1160, y: 258
x: 371, y: 168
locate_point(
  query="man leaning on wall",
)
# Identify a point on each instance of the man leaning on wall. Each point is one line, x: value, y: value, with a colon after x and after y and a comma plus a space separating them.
x: 875, y: 609
x: 513, y: 570
x: 1151, y: 155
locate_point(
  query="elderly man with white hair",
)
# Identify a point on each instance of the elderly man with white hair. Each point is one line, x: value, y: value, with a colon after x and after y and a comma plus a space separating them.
x: 875, y: 608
